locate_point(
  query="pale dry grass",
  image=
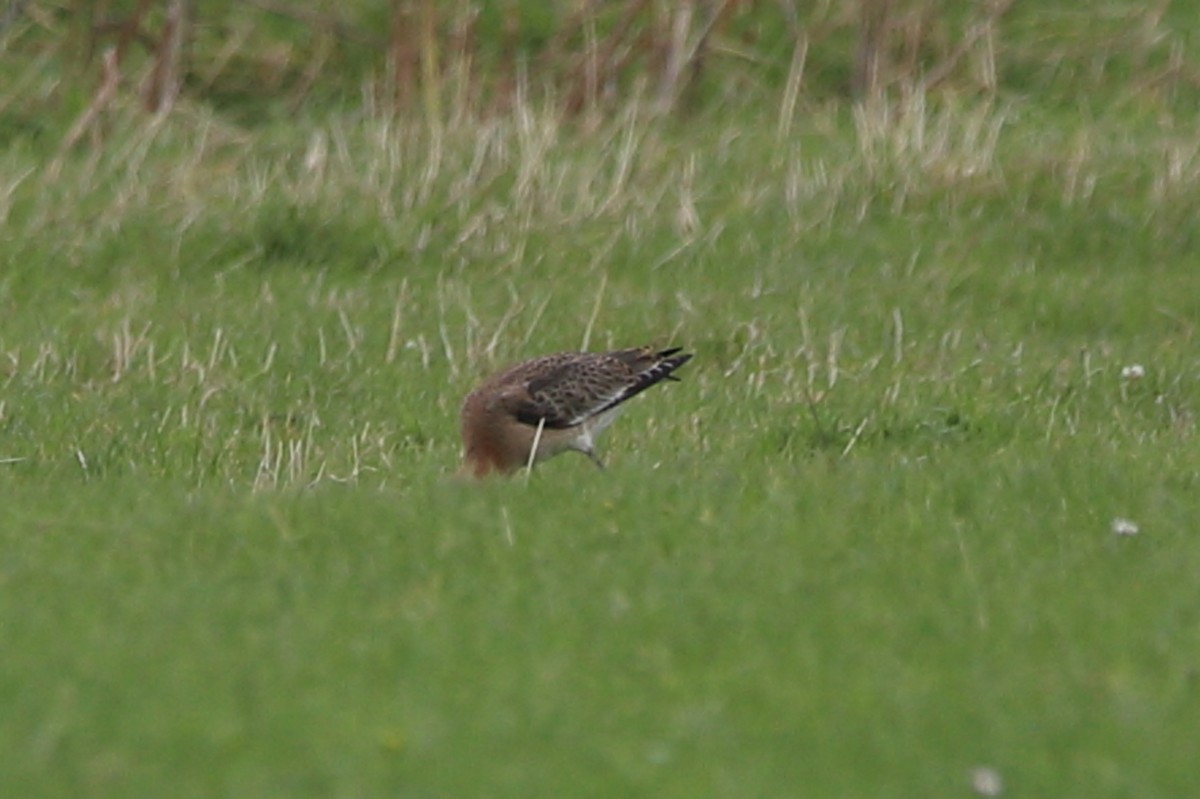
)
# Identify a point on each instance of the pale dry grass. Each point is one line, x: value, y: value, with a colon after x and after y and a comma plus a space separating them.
x: 499, y: 227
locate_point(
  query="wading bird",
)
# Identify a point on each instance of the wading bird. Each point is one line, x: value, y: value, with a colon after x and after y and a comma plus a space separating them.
x: 539, y: 408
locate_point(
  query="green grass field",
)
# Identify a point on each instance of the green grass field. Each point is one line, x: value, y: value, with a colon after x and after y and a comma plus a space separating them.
x: 865, y: 549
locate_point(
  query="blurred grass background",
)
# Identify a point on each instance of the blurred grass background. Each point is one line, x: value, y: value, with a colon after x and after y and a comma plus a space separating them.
x: 252, y: 255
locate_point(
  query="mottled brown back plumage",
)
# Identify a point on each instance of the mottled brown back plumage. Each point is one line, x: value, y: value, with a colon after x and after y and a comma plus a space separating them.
x: 560, y: 401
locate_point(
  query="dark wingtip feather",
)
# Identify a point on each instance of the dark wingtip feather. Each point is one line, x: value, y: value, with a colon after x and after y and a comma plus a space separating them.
x: 668, y: 362
x: 675, y: 362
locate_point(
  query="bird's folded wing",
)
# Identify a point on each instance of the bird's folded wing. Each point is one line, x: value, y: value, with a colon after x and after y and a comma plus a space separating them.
x: 573, y: 392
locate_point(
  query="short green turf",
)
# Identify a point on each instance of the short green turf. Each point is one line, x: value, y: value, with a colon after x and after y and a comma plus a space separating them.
x: 865, y: 548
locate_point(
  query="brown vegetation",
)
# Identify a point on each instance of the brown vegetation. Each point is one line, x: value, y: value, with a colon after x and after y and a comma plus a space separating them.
x: 433, y: 55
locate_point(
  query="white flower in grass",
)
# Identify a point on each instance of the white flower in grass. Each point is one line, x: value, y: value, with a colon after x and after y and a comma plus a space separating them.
x: 1135, y: 371
x: 986, y: 781
x: 1124, y: 527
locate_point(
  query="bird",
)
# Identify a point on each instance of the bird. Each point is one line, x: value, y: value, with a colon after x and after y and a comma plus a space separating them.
x: 548, y: 405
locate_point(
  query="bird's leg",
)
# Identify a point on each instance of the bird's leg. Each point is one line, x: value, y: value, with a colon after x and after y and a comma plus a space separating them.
x: 594, y: 458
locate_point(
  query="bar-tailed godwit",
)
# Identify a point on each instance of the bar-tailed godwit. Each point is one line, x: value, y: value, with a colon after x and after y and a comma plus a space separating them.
x: 555, y: 403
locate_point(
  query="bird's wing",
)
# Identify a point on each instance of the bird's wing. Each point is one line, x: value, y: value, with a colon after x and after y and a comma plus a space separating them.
x: 567, y: 390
